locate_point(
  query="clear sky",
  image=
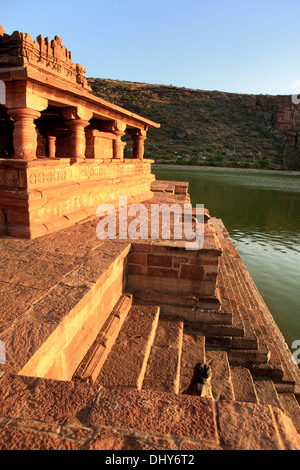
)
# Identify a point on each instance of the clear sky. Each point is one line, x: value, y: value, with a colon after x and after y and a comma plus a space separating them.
x: 241, y: 46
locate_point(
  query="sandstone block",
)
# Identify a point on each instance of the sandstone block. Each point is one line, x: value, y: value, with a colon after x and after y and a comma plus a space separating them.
x: 162, y: 272
x: 194, y: 273
x: 164, y: 414
x: 159, y: 260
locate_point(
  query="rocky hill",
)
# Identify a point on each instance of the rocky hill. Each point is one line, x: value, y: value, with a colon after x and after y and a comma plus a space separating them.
x: 211, y: 127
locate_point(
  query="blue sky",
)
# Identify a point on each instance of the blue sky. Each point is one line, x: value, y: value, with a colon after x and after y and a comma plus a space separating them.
x: 241, y: 46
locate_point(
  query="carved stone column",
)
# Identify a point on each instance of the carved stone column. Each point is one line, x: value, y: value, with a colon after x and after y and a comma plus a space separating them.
x: 24, y: 133
x: 118, y: 145
x: 138, y: 138
x: 90, y: 143
x: 118, y: 128
x: 52, y: 146
x: 41, y: 146
x: 77, y: 139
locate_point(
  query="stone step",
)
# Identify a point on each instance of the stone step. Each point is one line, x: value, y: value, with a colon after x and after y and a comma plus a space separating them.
x: 225, y: 322
x: 194, y: 315
x: 213, y: 317
x: 231, y: 291
x: 163, y: 367
x: 193, y: 352
x: 291, y: 408
x: 266, y: 392
x: 243, y: 385
x: 221, y: 383
x: 126, y: 364
x: 236, y: 289
x: 256, y: 315
x: 231, y: 294
x: 267, y: 370
x: 248, y: 357
x: 216, y: 330
x: 253, y: 309
x: 224, y: 336
x: 90, y: 366
x: 268, y: 330
x: 177, y: 301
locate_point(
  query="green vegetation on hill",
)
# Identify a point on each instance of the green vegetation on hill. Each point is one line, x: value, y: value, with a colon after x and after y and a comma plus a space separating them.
x: 199, y: 127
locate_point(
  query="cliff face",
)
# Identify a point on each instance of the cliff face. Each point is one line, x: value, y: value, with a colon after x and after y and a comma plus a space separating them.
x: 212, y: 128
x: 282, y: 117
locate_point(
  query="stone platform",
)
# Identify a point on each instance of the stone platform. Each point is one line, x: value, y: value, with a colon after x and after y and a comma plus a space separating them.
x: 101, y: 351
x: 44, y: 195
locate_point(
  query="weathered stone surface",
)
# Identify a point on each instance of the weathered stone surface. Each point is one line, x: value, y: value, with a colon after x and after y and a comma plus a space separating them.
x: 194, y: 446
x: 23, y: 299
x: 290, y: 407
x: 107, y: 439
x: 251, y: 427
x: 193, y: 352
x: 12, y: 438
x: 168, y: 414
x: 45, y: 400
x: 221, y: 378
x: 163, y: 369
x: 266, y: 392
x: 22, y: 342
x: 243, y: 386
x: 127, y: 361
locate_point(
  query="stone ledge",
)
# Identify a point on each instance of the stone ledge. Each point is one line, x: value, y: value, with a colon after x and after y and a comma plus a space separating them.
x: 48, y: 414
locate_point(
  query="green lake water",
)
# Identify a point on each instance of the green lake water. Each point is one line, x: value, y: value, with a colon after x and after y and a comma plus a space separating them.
x: 261, y: 212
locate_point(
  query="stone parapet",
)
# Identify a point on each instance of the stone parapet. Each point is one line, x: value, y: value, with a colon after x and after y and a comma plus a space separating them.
x: 19, y: 49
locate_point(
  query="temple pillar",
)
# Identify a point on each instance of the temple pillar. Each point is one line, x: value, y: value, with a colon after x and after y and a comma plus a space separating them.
x: 138, y: 138
x: 52, y: 146
x: 119, y: 145
x: 77, y: 139
x: 118, y: 128
x: 24, y: 133
x: 41, y: 146
x: 90, y: 143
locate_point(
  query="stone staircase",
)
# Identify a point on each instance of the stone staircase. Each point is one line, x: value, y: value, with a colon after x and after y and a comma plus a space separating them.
x: 136, y: 348
x: 140, y: 348
x: 150, y: 347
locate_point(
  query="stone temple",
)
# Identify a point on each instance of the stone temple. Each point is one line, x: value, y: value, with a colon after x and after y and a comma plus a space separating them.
x: 58, y: 143
x: 132, y: 343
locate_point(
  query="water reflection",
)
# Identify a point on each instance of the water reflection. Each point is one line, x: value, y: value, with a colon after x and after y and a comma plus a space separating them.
x: 262, y: 214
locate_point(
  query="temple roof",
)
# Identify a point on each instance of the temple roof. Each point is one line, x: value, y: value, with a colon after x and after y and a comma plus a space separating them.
x: 50, y: 63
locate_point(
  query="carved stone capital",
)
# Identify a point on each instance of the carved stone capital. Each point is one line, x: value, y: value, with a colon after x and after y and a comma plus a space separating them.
x: 114, y: 126
x: 23, y: 114
x: 78, y: 112
x: 77, y: 124
x: 137, y: 132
